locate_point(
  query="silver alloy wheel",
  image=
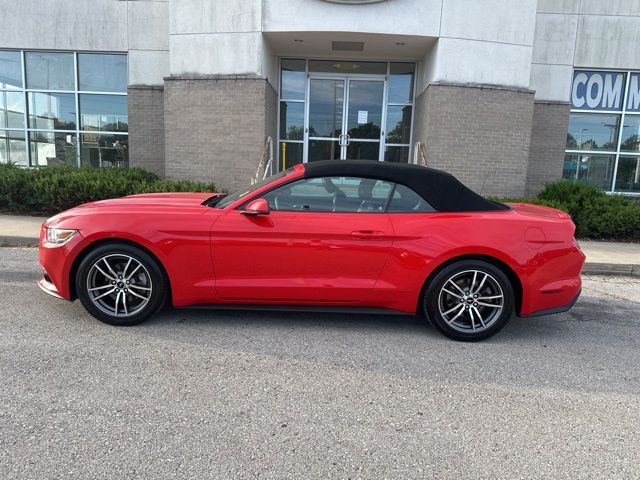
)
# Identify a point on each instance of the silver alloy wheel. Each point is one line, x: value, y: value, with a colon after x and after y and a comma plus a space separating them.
x: 471, y: 301
x: 119, y: 285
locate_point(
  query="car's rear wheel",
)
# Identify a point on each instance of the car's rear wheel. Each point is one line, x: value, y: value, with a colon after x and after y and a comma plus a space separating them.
x: 469, y: 300
x: 120, y: 284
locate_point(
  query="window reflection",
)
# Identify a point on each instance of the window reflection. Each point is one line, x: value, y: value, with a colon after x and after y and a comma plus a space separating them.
x: 398, y: 124
x: 52, y: 111
x: 628, y: 176
x: 630, y: 141
x: 401, y: 79
x: 50, y: 71
x: 291, y: 120
x: 100, y: 150
x: 102, y: 73
x: 596, y: 170
x: 593, y: 131
x: 326, y: 98
x: 396, y: 154
x: 290, y: 154
x: 49, y: 148
x: 103, y: 112
x: 293, y: 79
x: 10, y: 70
x: 13, y: 147
x: 365, y: 109
x: 11, y: 110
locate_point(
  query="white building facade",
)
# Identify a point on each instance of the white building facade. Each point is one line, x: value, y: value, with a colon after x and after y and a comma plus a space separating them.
x: 505, y: 95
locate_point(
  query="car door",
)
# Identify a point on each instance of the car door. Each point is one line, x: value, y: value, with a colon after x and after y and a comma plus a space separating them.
x: 325, y: 240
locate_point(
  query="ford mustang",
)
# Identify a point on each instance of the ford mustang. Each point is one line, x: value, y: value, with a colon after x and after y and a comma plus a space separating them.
x: 332, y: 235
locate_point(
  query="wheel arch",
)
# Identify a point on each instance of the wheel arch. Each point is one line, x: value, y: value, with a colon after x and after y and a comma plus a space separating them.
x: 73, y: 294
x: 513, y: 277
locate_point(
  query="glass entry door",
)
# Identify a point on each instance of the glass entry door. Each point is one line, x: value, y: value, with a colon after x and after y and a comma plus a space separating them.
x: 345, y: 118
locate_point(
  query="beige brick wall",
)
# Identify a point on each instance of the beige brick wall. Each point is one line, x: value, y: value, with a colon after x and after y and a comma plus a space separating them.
x: 479, y: 134
x: 216, y: 127
x: 146, y: 128
x: 548, y: 141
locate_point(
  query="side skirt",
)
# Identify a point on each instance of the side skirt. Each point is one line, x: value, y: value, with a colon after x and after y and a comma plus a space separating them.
x: 301, y: 308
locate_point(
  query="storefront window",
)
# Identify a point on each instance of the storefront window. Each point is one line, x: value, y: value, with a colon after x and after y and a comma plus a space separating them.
x: 100, y: 150
x: 52, y: 111
x: 603, y: 138
x: 50, y: 71
x: 103, y: 112
x: 292, y: 82
x: 102, y: 73
x: 596, y: 170
x: 401, y: 78
x: 51, y: 148
x: 13, y: 147
x: 628, y: 177
x: 11, y: 109
x: 291, y: 120
x: 344, y: 109
x: 630, y: 141
x: 63, y: 95
x: 593, y: 131
x: 10, y: 70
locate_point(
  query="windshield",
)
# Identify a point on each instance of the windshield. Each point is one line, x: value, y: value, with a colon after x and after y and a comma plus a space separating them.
x: 222, y: 202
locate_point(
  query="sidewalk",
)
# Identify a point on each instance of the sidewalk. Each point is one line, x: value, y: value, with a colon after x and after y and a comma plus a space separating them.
x: 18, y: 231
x: 603, y: 258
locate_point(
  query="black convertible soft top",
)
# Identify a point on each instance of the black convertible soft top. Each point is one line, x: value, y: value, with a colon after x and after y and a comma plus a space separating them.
x: 441, y: 190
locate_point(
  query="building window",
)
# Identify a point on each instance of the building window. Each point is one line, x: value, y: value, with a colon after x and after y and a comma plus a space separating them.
x: 332, y: 109
x: 603, y: 138
x: 63, y: 108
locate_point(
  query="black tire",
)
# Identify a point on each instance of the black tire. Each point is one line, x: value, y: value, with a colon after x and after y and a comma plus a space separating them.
x: 150, y: 273
x: 467, y: 327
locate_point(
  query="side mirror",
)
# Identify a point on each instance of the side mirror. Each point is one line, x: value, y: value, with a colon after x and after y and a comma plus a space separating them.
x: 259, y: 206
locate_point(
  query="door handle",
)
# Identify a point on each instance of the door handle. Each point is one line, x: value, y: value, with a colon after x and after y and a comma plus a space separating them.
x: 368, y: 234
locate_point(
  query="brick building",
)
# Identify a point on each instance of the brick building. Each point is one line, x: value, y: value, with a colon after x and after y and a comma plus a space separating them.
x: 505, y: 95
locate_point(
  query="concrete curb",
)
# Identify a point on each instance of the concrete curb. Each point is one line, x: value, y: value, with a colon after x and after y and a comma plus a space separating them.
x: 627, y: 269
x: 12, y: 241
x: 590, y: 268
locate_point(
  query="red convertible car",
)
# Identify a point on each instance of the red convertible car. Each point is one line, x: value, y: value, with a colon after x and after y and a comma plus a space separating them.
x: 333, y: 235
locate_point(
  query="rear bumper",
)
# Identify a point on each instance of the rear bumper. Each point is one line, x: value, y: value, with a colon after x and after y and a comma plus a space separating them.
x: 552, y: 284
x: 554, y: 310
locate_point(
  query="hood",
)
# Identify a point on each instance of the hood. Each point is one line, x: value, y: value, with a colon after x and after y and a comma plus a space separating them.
x: 163, y: 203
x: 169, y: 199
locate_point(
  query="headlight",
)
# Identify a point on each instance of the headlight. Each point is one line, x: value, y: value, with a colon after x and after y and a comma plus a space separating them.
x: 59, y: 235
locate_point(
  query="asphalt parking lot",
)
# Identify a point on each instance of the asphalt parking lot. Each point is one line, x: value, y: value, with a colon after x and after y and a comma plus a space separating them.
x: 205, y: 394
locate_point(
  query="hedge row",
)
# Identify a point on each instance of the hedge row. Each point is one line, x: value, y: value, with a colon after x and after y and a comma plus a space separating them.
x: 596, y: 214
x: 46, y: 191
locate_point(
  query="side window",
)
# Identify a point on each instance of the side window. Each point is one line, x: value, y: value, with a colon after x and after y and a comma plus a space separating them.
x: 331, y: 194
x: 406, y: 200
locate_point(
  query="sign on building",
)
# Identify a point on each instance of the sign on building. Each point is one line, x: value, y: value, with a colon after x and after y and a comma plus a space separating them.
x: 605, y: 91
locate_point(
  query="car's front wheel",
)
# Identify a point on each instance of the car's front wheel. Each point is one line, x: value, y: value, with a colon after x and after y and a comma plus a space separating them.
x: 469, y: 300
x: 120, y: 284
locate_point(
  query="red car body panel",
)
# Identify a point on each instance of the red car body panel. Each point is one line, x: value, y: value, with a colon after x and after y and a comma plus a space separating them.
x: 220, y: 256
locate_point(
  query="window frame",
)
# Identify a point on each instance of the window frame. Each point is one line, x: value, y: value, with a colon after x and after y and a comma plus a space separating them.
x: 392, y: 190
x: 617, y: 152
x: 77, y: 132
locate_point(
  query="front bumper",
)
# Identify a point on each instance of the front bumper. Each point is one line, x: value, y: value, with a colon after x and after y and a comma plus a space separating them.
x: 49, y: 288
x: 56, y: 262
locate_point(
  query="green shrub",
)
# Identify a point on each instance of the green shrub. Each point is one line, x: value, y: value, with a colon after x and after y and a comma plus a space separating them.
x: 49, y: 190
x: 597, y: 215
